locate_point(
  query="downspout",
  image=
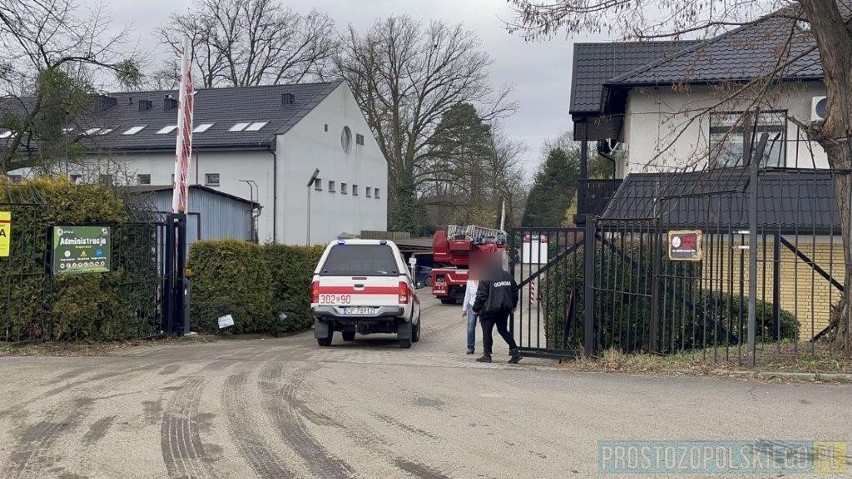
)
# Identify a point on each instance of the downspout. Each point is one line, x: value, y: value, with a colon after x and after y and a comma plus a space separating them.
x: 274, y: 194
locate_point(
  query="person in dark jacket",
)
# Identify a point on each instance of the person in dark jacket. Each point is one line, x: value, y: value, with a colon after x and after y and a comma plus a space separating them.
x: 496, y: 299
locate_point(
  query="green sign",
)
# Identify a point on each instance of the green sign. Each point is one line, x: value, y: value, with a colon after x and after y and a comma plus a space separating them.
x: 81, y: 249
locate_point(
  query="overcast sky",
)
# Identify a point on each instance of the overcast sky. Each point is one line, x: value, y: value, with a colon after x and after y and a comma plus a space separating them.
x: 539, y: 71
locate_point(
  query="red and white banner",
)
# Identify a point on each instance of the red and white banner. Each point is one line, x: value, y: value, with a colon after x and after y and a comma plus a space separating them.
x: 183, y: 149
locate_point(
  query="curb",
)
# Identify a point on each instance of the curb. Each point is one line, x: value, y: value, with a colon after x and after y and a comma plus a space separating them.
x: 811, y: 377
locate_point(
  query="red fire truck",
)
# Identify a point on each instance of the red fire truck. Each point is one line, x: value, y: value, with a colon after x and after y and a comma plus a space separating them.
x: 452, y: 250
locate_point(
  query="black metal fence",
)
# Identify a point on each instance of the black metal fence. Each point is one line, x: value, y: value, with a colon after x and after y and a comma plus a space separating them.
x: 612, y: 284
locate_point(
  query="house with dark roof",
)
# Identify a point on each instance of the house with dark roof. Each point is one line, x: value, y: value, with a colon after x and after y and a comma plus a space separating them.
x: 258, y: 143
x: 678, y: 106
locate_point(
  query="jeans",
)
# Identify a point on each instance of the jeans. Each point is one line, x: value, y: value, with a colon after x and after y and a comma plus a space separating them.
x: 471, y: 328
x: 502, y: 328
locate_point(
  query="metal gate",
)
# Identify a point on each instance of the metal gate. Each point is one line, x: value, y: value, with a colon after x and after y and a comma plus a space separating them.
x: 549, y: 266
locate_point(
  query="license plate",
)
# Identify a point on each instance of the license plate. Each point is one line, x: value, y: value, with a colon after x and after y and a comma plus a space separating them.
x: 360, y: 310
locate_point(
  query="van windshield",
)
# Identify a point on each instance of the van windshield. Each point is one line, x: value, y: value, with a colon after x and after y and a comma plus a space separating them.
x: 360, y: 260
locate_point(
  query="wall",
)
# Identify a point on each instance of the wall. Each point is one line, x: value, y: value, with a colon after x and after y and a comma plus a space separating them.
x: 666, y: 130
x: 220, y: 217
x: 307, y: 146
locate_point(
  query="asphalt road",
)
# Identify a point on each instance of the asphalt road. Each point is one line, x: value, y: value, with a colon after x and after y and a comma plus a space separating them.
x: 287, y: 408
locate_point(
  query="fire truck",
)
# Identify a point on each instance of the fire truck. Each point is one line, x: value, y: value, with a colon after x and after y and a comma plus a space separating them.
x: 452, y: 250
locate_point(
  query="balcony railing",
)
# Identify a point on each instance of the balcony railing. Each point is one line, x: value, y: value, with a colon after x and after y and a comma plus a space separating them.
x: 594, y: 195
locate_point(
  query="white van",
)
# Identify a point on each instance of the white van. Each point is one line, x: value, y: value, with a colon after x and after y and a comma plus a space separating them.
x: 364, y: 286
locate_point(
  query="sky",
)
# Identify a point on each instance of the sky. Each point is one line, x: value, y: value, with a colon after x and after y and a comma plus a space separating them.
x: 540, y: 71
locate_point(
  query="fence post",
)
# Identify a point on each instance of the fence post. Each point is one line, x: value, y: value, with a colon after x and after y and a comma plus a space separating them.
x: 589, y: 286
x: 776, y: 284
x: 657, y: 251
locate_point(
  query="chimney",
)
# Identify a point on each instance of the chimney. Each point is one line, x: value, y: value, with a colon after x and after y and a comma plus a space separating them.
x: 170, y: 102
x: 145, y: 105
x: 287, y: 99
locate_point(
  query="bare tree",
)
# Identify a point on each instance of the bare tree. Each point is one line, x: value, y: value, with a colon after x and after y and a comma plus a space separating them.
x: 406, y: 75
x: 796, y: 30
x: 54, y: 57
x: 253, y: 42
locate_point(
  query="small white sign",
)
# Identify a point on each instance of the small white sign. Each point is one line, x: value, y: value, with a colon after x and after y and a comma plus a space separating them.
x: 226, y: 321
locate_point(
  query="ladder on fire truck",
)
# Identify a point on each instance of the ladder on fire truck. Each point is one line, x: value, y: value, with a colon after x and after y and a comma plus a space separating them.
x: 477, y: 234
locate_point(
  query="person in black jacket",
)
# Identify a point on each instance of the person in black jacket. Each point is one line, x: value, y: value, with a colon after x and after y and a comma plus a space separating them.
x: 496, y: 299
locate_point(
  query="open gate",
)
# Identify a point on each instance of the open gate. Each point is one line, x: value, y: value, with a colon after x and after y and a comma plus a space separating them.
x: 549, y: 266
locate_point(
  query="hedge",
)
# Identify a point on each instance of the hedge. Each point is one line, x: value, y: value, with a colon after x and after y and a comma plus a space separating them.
x: 229, y: 277
x: 117, y: 305
x: 265, y: 288
x: 292, y: 268
x: 689, y: 317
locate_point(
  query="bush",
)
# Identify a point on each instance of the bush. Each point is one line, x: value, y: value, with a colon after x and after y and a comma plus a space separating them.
x: 229, y: 277
x: 688, y: 316
x: 292, y: 268
x: 95, y: 307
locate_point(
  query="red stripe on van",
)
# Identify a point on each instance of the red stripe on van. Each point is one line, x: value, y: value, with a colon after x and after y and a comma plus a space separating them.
x: 365, y: 290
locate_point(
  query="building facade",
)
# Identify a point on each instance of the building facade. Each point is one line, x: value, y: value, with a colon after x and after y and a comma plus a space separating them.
x: 258, y: 143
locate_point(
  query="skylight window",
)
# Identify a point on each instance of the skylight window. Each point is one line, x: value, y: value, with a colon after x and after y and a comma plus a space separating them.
x: 167, y: 129
x: 202, y: 127
x: 256, y: 125
x: 92, y: 131
x: 67, y: 129
x: 5, y: 134
x: 135, y: 130
x: 239, y: 127
x: 104, y: 131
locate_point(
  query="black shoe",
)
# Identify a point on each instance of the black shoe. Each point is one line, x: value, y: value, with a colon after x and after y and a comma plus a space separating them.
x: 470, y: 351
x: 514, y: 356
x: 486, y: 358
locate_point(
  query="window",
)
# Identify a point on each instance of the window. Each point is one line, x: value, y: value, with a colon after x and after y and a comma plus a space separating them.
x: 105, y: 180
x: 318, y: 184
x: 239, y: 127
x: 346, y: 139
x: 76, y: 179
x: 173, y: 178
x: 359, y: 139
x: 369, y: 190
x: 104, y: 131
x: 211, y: 179
x: 326, y: 127
x: 5, y: 134
x: 256, y: 126
x: 92, y: 131
x: 361, y: 260
x: 143, y: 179
x: 354, y: 190
x: 343, y: 189
x: 732, y: 133
x: 202, y: 127
x: 167, y: 129
x: 332, y: 187
x: 376, y: 193
x: 134, y: 130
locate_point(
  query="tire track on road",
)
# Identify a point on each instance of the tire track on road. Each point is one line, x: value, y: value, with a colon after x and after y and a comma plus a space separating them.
x: 243, y: 429
x: 279, y: 393
x: 180, y: 441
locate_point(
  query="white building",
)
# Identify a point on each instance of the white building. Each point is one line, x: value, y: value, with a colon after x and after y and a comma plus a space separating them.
x: 259, y: 143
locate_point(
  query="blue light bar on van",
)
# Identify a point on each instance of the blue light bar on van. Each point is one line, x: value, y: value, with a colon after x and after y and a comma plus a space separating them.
x: 383, y: 242
x: 341, y: 241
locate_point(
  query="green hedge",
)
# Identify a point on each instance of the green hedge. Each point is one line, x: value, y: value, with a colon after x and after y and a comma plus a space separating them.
x: 229, y: 277
x: 292, y: 268
x: 97, y: 307
x: 689, y: 317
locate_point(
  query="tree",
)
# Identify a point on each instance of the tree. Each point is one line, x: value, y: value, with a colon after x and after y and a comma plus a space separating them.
x: 53, y: 58
x: 406, y: 75
x: 252, y: 42
x: 800, y: 28
x: 554, y: 190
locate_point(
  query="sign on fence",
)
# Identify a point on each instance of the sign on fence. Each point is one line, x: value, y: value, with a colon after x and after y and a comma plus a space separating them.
x: 81, y: 249
x: 5, y: 232
x: 534, y: 250
x: 685, y: 245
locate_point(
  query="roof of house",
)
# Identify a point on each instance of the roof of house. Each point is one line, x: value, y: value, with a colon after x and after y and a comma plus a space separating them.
x: 221, y: 107
x: 149, y: 189
x: 748, y: 52
x: 789, y: 200
x: 596, y: 63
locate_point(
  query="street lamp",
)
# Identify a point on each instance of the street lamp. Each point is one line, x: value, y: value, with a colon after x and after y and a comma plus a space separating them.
x: 310, y: 184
